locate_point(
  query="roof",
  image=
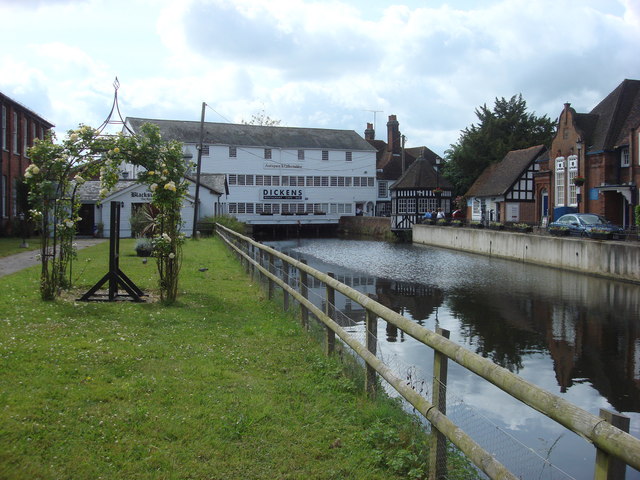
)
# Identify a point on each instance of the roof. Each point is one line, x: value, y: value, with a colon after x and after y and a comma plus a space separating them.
x: 613, y: 117
x: 89, y: 191
x: 46, y: 123
x: 498, y: 178
x: 216, y: 182
x: 256, y: 135
x: 422, y: 174
x: 389, y: 165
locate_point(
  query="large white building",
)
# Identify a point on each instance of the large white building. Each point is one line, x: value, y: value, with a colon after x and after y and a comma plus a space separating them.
x: 279, y: 175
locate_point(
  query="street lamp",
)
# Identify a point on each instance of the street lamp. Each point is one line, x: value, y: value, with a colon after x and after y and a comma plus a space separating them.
x: 578, y: 187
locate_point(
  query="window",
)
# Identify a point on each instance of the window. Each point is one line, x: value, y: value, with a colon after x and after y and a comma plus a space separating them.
x: 25, y: 136
x: 423, y: 204
x: 573, y: 171
x: 324, y: 181
x: 316, y: 181
x: 371, y: 182
x: 402, y: 205
x: 233, y: 153
x: 356, y: 181
x: 348, y: 156
x: 347, y: 181
x: 205, y: 150
x: 3, y: 136
x: 15, y: 132
x: 233, y: 179
x: 560, y: 180
x: 382, y: 190
x: 4, y: 189
x: 624, y: 157
x: 334, y: 181
x: 267, y: 154
x: 300, y: 154
x: 325, y: 155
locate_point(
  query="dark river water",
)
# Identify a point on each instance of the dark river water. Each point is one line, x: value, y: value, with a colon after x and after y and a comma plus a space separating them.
x: 574, y: 335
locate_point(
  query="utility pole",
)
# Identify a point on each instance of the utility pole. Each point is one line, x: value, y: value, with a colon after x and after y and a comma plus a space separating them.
x: 197, y: 199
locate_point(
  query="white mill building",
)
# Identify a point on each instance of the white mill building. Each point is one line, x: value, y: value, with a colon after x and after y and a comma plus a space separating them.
x: 279, y: 175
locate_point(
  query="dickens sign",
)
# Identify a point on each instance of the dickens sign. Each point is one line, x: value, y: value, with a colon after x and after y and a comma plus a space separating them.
x: 281, y: 194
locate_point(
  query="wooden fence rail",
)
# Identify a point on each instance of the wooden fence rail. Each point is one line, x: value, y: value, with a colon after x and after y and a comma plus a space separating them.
x: 609, y: 440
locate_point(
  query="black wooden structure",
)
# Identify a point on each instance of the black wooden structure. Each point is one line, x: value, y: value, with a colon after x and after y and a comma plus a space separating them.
x: 114, y: 276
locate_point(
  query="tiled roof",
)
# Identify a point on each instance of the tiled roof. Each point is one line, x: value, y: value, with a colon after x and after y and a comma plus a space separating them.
x: 256, y: 135
x: 422, y: 174
x: 498, y: 178
x: 616, y: 114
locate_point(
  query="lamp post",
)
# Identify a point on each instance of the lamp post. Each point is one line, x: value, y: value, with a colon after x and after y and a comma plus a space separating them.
x: 438, y: 193
x: 579, y: 187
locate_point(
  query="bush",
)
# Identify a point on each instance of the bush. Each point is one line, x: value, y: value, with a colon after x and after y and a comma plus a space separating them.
x: 206, y: 225
x: 144, y: 247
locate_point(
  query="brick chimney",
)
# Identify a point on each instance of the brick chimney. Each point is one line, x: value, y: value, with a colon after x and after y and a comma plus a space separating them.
x: 369, y: 133
x: 393, y: 135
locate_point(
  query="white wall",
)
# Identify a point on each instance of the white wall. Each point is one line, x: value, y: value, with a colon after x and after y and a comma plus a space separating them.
x: 337, y: 200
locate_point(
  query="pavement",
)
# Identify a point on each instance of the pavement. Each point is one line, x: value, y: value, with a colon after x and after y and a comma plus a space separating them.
x: 20, y: 261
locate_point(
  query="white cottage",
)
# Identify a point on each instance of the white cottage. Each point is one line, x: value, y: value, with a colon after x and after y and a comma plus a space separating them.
x: 95, y: 214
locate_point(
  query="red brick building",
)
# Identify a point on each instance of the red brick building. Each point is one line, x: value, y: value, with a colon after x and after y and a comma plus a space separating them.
x: 18, y: 128
x: 601, y: 147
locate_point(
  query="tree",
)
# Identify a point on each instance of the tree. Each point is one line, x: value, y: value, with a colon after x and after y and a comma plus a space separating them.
x: 261, y: 118
x: 508, y: 127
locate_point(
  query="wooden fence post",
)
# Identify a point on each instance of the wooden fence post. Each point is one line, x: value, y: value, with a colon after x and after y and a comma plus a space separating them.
x: 304, y: 291
x: 371, y: 322
x: 607, y: 466
x: 438, y: 454
x: 285, y: 279
x: 330, y: 310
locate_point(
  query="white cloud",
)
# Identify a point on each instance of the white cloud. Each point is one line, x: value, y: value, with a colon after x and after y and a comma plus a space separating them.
x: 323, y: 63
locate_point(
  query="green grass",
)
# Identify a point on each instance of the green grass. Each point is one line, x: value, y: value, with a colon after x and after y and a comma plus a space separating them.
x: 11, y: 245
x: 222, y: 385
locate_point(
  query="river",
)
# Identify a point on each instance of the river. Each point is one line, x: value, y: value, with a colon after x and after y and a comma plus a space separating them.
x: 574, y: 335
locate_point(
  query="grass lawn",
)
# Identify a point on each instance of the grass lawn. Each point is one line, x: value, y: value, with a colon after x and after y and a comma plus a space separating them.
x: 11, y: 245
x: 222, y: 385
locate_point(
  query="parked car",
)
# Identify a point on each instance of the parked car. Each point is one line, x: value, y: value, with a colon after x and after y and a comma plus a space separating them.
x: 587, y: 224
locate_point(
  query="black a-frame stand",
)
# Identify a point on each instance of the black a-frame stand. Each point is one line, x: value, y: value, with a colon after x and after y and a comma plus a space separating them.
x: 115, y: 276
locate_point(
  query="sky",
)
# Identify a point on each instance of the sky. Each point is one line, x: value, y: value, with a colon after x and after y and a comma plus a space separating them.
x: 321, y: 63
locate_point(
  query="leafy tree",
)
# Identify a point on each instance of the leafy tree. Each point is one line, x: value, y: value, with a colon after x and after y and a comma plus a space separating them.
x: 507, y: 127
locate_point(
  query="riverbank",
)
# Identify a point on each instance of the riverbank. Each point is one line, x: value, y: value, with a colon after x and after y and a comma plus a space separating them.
x: 221, y: 385
x: 609, y: 259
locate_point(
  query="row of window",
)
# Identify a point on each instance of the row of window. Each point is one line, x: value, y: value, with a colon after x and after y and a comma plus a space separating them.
x: 408, y: 205
x: 30, y: 130
x: 268, y: 153
x: 242, y: 208
x: 299, y: 181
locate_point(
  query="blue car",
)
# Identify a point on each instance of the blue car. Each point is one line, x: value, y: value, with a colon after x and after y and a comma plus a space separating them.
x: 584, y: 223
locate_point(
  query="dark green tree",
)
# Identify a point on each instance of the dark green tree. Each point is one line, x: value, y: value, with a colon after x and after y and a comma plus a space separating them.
x: 507, y: 127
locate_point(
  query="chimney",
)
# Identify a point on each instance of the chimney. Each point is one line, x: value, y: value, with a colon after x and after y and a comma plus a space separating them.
x: 393, y: 135
x: 369, y: 133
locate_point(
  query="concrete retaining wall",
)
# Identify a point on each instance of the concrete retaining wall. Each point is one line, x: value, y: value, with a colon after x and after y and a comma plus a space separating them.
x: 361, y: 225
x: 618, y: 260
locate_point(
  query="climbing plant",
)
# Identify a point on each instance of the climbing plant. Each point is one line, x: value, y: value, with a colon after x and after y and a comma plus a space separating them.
x: 163, y: 171
x: 58, y: 169
x: 53, y: 177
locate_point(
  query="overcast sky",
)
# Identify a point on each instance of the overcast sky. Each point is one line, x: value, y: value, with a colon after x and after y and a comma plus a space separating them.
x: 321, y: 63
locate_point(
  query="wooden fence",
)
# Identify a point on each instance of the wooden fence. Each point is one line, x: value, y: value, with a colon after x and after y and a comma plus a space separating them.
x: 615, y: 447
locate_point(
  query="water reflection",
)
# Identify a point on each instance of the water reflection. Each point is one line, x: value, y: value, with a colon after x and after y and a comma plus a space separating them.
x: 574, y: 335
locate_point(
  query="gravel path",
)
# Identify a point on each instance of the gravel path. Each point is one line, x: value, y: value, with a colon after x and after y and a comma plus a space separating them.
x: 19, y: 261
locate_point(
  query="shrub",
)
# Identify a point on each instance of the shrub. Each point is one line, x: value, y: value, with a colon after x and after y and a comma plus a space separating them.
x: 232, y: 223
x: 144, y: 247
